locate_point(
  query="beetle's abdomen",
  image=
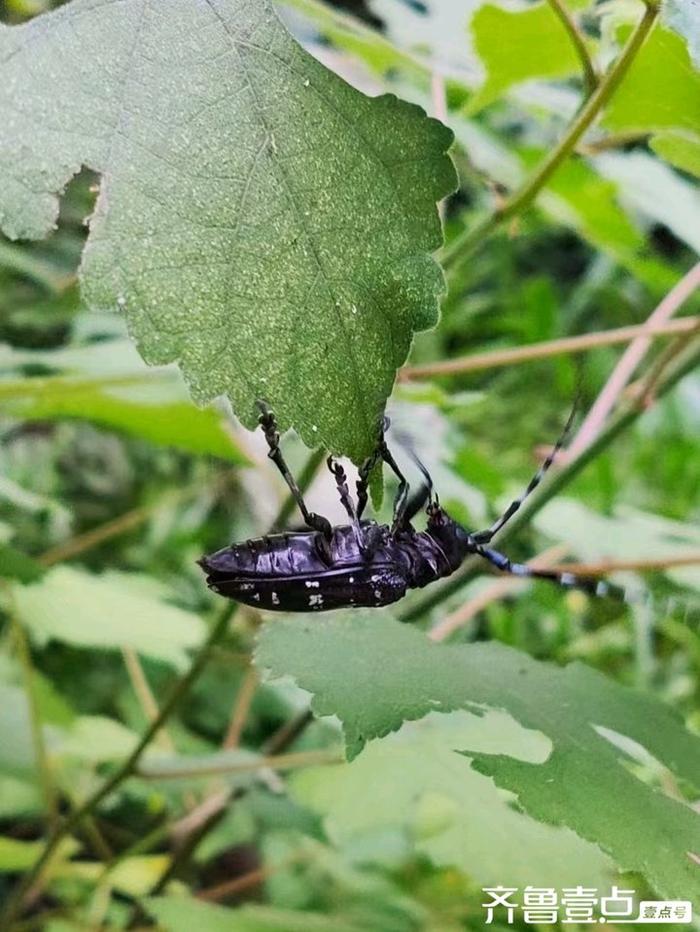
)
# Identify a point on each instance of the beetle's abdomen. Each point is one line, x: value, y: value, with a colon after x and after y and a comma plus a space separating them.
x: 348, y: 588
x: 292, y: 573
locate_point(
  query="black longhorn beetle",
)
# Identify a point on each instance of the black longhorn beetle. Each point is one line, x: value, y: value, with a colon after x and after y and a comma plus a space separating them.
x: 364, y: 563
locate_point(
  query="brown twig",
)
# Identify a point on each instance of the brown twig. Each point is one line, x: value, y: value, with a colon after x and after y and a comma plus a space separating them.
x: 577, y: 344
x: 104, y: 532
x: 144, y: 694
x: 603, y: 567
x: 508, y: 585
x: 241, y: 708
x: 272, y: 762
x: 254, y: 878
x: 631, y: 358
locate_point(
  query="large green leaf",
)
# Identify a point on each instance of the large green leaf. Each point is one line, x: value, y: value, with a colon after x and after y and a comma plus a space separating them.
x: 374, y: 674
x: 112, y: 610
x: 517, y: 45
x: 437, y: 805
x: 259, y: 221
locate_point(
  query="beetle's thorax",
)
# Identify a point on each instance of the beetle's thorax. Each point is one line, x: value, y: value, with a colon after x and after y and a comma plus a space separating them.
x: 450, y: 537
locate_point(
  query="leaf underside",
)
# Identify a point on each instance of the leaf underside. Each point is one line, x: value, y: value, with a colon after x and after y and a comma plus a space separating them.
x: 259, y: 221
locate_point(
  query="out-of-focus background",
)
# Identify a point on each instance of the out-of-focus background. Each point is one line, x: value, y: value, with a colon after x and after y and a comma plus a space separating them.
x: 115, y: 483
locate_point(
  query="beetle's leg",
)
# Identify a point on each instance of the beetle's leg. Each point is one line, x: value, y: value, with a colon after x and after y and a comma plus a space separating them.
x: 341, y: 481
x: 401, y: 500
x: 314, y: 521
x: 424, y: 495
x: 567, y: 580
x: 484, y: 537
x: 416, y: 503
x: 382, y: 452
x: 362, y: 483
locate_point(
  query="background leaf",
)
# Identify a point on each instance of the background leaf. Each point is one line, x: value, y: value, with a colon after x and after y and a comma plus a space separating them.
x: 222, y: 227
x: 434, y: 802
x: 517, y: 45
x: 111, y: 610
x: 684, y: 17
x: 157, y: 412
x: 374, y: 674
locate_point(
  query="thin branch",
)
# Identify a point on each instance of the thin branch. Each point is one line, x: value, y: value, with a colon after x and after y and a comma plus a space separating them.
x: 590, y: 76
x: 545, y: 349
x: 275, y: 762
x: 603, y: 567
x: 254, y: 878
x: 625, y: 417
x: 507, y: 585
x: 144, y: 694
x: 470, y: 239
x: 241, y: 708
x: 36, y: 725
x: 612, y: 141
x: 103, y: 532
x: 630, y: 360
x: 288, y: 733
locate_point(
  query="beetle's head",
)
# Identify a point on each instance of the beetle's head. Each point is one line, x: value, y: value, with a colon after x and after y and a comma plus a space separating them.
x: 455, y: 541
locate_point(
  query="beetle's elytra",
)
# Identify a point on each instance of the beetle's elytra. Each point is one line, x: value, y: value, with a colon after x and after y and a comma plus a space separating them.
x: 362, y: 564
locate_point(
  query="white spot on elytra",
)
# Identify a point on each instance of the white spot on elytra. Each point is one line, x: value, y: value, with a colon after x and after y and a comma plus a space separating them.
x: 246, y: 586
x: 275, y: 599
x: 315, y: 601
x: 310, y: 584
x: 256, y: 597
x: 375, y: 579
x: 377, y: 593
x: 352, y: 579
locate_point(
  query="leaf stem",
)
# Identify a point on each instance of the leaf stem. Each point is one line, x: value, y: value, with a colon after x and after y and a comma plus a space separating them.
x: 546, y: 348
x: 465, y: 243
x: 590, y: 76
x: 627, y: 415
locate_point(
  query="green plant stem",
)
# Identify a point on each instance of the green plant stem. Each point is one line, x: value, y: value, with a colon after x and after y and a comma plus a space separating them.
x: 15, y: 900
x: 463, y: 245
x: 682, y: 364
x: 590, y: 78
x: 40, y: 753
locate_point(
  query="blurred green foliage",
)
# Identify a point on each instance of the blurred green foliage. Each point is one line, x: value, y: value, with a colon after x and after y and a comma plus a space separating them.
x: 112, y: 484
